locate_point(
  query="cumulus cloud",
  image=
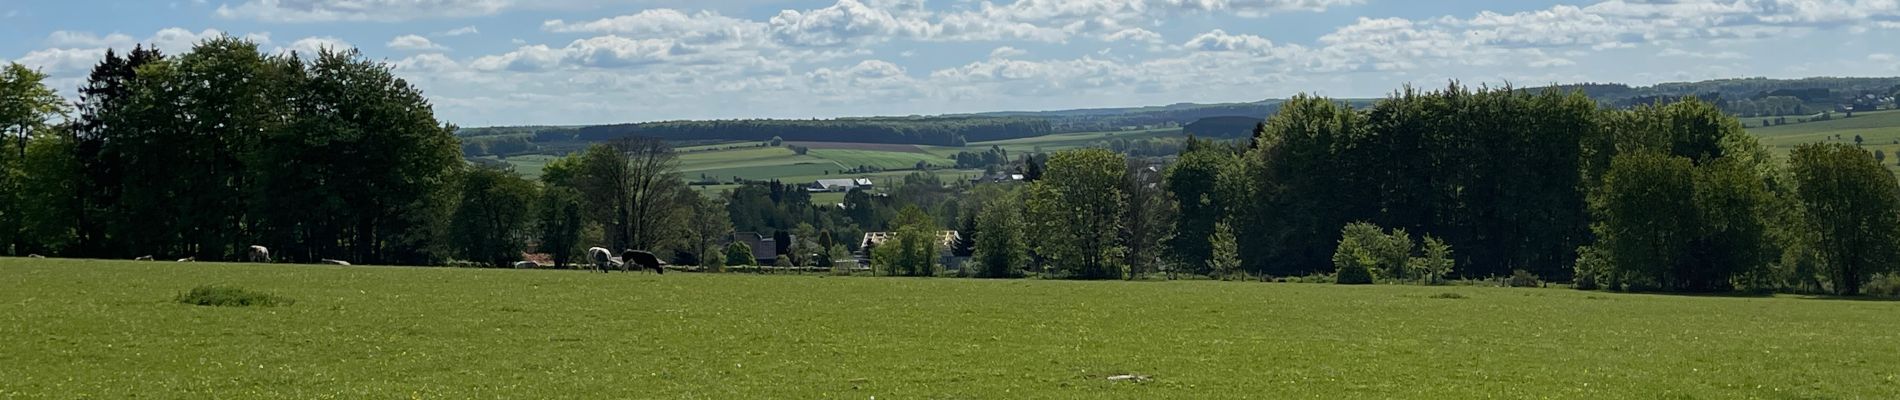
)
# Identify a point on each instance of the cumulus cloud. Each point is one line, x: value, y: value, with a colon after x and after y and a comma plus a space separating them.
x: 414, y: 43
x: 312, y: 46
x: 462, y: 31
x: 1007, y: 52
x: 359, y: 10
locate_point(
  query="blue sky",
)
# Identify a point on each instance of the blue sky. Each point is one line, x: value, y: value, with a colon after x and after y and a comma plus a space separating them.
x: 510, y: 62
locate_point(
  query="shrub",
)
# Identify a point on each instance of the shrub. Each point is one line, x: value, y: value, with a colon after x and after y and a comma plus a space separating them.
x: 1883, y: 285
x: 1522, y: 278
x: 229, y: 296
x: 1383, y: 253
x: 1354, y: 274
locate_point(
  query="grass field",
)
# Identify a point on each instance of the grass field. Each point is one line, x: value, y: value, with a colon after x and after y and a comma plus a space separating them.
x: 1879, y: 130
x: 96, y: 329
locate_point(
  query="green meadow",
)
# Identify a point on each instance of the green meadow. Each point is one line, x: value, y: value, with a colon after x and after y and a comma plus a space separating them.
x: 1878, y: 130
x: 114, y: 329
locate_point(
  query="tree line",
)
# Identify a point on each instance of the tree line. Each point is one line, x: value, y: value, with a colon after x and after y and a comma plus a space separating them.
x: 206, y: 153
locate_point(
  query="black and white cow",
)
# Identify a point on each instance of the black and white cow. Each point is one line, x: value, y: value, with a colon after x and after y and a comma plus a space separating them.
x: 259, y: 254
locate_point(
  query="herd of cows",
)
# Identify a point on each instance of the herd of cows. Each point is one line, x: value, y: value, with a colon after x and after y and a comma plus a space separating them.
x: 602, y: 260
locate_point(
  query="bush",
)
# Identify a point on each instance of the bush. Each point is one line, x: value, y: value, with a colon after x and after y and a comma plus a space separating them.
x: 229, y: 296
x: 1522, y: 278
x: 1883, y: 285
x: 1354, y: 274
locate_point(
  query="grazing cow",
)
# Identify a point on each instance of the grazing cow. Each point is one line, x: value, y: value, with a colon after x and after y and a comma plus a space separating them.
x: 35, y: 256
x: 645, y: 260
x: 334, y: 262
x: 260, y: 254
x: 188, y: 259
x: 603, y: 260
x: 526, y: 264
x: 143, y: 258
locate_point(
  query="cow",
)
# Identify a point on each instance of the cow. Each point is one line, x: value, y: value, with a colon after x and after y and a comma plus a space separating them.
x: 334, y: 262
x: 526, y: 264
x: 603, y: 260
x: 143, y: 258
x: 35, y: 256
x: 188, y: 259
x: 260, y: 254
x: 645, y: 261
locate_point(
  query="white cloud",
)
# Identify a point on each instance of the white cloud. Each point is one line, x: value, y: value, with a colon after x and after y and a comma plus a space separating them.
x: 1133, y: 35
x: 414, y: 43
x: 1007, y: 52
x: 462, y: 31
x: 845, y: 22
x: 359, y: 10
x: 311, y: 46
x: 170, y: 39
x: 705, y: 26
x: 1719, y: 55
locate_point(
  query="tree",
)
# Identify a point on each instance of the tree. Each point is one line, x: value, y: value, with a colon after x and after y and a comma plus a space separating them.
x: 26, y: 106
x: 1381, y: 253
x: 1435, y: 264
x: 1224, y: 259
x: 1193, y: 181
x: 26, y: 103
x: 492, y: 224
x: 560, y: 224
x: 710, y: 225
x: 913, y: 250
x: 1076, y: 212
x: 1145, y: 220
x: 630, y: 184
x: 739, y: 253
x: 1001, y: 251
x: 1852, y: 207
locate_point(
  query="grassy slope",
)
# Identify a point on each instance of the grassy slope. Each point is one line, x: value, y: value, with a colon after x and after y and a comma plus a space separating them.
x: 109, y: 329
x: 1880, y: 130
x: 1050, y: 143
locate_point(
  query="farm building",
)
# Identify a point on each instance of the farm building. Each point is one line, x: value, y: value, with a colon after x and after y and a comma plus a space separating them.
x: 840, y: 185
x: 998, y: 178
x: 764, y: 248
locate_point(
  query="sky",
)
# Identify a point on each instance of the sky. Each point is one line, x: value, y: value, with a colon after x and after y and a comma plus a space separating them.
x: 569, y: 62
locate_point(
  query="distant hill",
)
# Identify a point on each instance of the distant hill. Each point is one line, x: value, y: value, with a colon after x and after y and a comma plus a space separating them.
x: 1749, y: 98
x: 1755, y: 97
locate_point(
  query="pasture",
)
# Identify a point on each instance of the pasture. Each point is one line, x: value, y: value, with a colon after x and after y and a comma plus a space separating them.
x: 1878, y: 130
x: 111, y: 329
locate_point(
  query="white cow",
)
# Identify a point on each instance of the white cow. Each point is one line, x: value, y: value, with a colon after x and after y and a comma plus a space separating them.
x: 260, y: 254
x: 603, y: 259
x: 526, y: 264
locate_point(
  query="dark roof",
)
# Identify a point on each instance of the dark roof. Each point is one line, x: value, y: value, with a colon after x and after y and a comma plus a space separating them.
x: 763, y: 249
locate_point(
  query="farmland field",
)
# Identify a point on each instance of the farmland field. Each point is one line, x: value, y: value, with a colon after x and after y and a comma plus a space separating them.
x: 1878, y: 130
x: 109, y: 329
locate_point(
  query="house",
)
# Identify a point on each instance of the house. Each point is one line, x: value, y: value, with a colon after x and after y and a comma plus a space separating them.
x: 840, y: 185
x: 764, y: 248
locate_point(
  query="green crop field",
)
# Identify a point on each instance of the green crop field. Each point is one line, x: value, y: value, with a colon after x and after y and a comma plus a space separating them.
x: 880, y: 159
x: 1879, y: 130
x: 111, y: 329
